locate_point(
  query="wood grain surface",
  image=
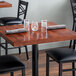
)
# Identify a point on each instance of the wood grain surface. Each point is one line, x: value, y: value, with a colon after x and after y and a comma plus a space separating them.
x: 38, y: 37
x: 5, y: 4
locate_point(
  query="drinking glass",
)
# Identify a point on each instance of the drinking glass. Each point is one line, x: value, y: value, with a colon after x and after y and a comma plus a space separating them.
x: 44, y: 28
x: 43, y: 25
x: 34, y: 26
x: 26, y: 24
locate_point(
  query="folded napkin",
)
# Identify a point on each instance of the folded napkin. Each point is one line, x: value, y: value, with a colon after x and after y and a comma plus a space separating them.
x: 56, y: 27
x: 15, y: 31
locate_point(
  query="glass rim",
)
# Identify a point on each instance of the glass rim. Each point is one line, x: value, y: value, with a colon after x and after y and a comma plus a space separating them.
x: 43, y: 20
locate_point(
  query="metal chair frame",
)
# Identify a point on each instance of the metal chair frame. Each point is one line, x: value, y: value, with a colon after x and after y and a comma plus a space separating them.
x: 60, y: 66
x: 21, y: 11
x: 5, y: 47
x: 10, y: 70
x: 74, y: 22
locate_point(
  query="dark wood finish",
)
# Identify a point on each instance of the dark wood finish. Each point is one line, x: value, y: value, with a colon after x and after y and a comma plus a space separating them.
x: 22, y: 39
x: 5, y: 4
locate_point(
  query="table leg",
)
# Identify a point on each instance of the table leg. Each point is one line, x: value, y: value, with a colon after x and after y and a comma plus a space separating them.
x: 35, y: 60
x: 0, y: 46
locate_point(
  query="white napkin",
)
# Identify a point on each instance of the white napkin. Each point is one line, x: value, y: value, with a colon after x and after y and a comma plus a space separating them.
x: 15, y: 31
x: 56, y: 27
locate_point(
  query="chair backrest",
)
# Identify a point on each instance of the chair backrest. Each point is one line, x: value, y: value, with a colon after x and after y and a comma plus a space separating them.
x: 74, y: 1
x: 73, y: 6
x: 22, y: 9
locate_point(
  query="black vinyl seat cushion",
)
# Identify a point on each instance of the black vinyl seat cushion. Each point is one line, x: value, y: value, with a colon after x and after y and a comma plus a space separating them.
x: 62, y: 54
x: 10, y: 63
x: 10, y: 21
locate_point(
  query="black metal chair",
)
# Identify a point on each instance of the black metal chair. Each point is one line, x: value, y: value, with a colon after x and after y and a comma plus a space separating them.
x: 22, y: 11
x: 73, y: 6
x: 61, y: 55
x: 9, y: 64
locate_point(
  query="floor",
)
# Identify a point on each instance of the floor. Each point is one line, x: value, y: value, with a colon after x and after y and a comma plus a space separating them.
x: 42, y: 66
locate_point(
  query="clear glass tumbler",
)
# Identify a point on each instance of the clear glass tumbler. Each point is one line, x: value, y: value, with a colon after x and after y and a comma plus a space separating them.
x: 44, y: 28
x: 26, y: 24
x: 34, y: 26
x: 43, y: 25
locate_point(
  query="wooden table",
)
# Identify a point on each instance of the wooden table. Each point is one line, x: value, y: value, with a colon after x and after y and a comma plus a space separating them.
x: 35, y: 38
x: 5, y: 4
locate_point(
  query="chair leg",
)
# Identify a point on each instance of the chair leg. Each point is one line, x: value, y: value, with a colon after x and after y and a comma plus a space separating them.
x: 70, y: 44
x: 73, y: 67
x: 73, y: 28
x: 6, y: 45
x: 23, y: 72
x: 47, y: 65
x: 60, y: 69
x: 27, y: 56
x: 0, y: 46
x: 74, y: 44
x: 12, y: 74
x: 19, y: 50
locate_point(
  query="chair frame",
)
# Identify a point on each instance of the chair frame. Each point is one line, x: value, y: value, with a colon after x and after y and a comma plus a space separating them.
x: 20, y: 7
x: 6, y: 48
x: 74, y: 27
x: 23, y: 72
x: 13, y: 70
x: 60, y: 66
x: 23, y: 11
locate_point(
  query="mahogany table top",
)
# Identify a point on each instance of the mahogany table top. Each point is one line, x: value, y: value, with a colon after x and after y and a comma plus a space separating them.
x: 5, y: 4
x: 30, y: 38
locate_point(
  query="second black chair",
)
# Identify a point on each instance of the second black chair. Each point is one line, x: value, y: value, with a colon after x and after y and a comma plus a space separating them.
x: 73, y: 6
x: 61, y: 55
x: 22, y: 11
x: 10, y: 64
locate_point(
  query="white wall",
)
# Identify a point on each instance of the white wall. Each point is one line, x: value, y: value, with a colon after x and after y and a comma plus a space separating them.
x: 58, y: 11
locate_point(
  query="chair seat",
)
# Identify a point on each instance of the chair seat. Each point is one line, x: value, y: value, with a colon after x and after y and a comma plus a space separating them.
x: 10, y: 20
x: 62, y: 54
x: 10, y: 63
